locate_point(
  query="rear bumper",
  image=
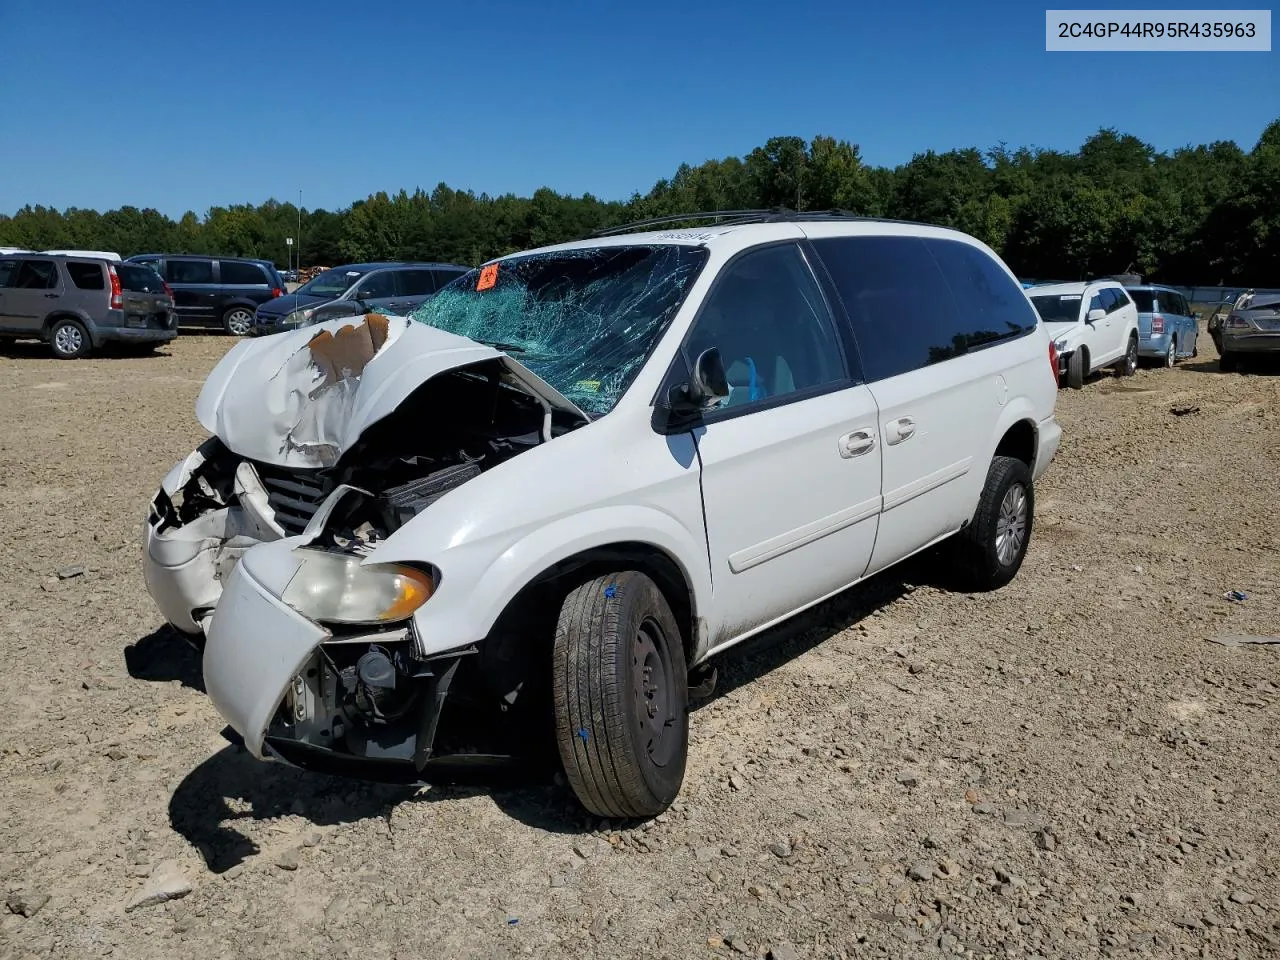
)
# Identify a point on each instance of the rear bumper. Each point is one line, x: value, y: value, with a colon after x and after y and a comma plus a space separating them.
x: 133, y: 335
x: 1252, y: 343
x: 1155, y: 345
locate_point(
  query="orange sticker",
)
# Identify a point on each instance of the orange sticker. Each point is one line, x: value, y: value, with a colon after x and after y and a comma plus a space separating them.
x: 488, y: 277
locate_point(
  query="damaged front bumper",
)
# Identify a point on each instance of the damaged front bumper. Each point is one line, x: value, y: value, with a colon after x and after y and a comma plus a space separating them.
x: 362, y: 703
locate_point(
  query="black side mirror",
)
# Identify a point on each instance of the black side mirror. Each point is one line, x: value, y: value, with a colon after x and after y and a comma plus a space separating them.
x: 685, y: 403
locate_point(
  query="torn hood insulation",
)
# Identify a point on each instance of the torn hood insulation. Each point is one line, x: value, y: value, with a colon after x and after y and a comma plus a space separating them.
x: 301, y: 399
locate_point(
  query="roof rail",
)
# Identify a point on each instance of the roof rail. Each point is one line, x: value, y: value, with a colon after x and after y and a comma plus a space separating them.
x: 730, y: 218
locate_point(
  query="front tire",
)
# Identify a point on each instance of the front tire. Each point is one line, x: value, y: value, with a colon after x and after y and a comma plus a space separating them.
x: 621, y: 696
x: 988, y: 553
x: 69, y: 340
x: 1129, y: 365
x: 237, y: 321
x: 1075, y: 370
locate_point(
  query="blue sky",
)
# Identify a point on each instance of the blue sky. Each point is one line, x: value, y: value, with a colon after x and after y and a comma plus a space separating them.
x: 180, y: 105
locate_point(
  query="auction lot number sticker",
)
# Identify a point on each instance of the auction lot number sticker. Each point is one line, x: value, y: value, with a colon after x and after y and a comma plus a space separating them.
x: 1157, y: 30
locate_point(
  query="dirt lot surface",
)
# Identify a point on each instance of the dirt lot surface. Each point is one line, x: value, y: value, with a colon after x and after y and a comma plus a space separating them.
x: 1065, y: 768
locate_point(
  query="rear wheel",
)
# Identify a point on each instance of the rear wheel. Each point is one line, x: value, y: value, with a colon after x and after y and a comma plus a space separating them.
x: 237, y: 321
x: 1171, y: 355
x: 621, y: 696
x: 70, y: 340
x: 988, y: 553
x: 1228, y: 363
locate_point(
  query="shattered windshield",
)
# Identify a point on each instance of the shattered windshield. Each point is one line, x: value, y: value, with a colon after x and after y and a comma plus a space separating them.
x: 331, y: 283
x: 583, y: 320
x: 1063, y: 308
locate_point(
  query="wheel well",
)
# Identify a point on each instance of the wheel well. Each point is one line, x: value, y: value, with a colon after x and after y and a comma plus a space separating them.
x: 548, y: 589
x: 53, y: 318
x: 1019, y: 442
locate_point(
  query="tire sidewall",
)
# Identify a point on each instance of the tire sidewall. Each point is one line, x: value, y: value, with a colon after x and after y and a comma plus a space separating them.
x: 1004, y: 475
x: 1129, y: 365
x: 1171, y: 355
x: 85, y: 344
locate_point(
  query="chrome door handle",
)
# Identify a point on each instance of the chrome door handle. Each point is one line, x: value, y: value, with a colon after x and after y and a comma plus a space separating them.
x: 899, y: 430
x: 857, y: 443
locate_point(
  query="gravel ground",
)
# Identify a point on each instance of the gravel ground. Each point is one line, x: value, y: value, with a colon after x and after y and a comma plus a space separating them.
x: 1065, y: 768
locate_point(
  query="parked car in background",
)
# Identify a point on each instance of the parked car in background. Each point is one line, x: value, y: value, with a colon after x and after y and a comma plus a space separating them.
x: 1251, y: 327
x: 1093, y: 325
x: 216, y: 291
x: 388, y: 287
x: 579, y: 473
x: 1167, y: 329
x: 76, y: 304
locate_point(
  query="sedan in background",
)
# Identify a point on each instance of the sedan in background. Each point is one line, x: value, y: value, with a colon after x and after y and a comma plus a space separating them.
x: 1252, y: 327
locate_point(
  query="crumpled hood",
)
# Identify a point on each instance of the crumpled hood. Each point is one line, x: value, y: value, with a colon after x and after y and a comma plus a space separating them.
x: 302, y: 398
x: 1068, y: 332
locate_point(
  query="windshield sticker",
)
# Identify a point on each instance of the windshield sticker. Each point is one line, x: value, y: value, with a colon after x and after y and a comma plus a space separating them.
x: 488, y: 277
x: 587, y: 386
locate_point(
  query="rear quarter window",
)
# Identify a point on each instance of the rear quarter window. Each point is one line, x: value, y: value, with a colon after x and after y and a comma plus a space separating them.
x: 139, y: 279
x: 1144, y: 300
x: 189, y: 271
x: 87, y: 276
x: 991, y: 305
x: 240, y: 273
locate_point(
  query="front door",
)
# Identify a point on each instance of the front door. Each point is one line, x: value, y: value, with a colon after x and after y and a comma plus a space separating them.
x: 791, y: 460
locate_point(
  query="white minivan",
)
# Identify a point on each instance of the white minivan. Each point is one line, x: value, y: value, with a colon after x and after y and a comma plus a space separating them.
x: 539, y: 505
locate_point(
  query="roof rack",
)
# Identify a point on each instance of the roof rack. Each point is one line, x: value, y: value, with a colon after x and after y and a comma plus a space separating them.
x: 733, y: 218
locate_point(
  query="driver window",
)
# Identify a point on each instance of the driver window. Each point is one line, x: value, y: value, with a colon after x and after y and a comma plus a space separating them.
x: 767, y: 317
x: 377, y: 285
x: 1094, y: 304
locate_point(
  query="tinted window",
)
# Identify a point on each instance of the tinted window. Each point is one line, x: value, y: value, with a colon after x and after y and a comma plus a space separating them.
x: 768, y: 319
x: 1095, y: 303
x: 903, y: 312
x: 1118, y: 299
x: 1144, y: 300
x: 991, y: 305
x: 189, y: 271
x: 237, y: 272
x: 139, y: 278
x: 443, y: 277
x: 1180, y: 305
x: 8, y: 268
x: 416, y: 283
x: 86, y: 276
x: 377, y: 285
x: 35, y: 275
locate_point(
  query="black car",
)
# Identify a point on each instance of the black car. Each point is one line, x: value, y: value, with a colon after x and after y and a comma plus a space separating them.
x: 216, y: 291
x: 393, y: 287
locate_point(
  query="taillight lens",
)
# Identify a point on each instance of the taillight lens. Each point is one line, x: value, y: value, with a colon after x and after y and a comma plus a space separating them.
x: 1236, y: 322
x: 117, y: 291
x: 277, y: 292
x: 1053, y: 359
x: 1157, y: 323
x: 168, y: 292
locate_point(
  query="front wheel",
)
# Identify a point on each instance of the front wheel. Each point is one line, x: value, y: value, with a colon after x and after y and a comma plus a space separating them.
x: 1075, y: 370
x: 988, y: 553
x: 237, y: 321
x: 621, y: 696
x: 70, y: 340
x: 1129, y: 365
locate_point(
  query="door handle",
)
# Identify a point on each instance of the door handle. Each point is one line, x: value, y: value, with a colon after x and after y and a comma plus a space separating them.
x: 899, y: 430
x: 52, y: 296
x: 857, y: 443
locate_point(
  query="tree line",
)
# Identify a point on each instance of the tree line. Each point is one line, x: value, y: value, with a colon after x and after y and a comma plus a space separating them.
x: 1207, y: 214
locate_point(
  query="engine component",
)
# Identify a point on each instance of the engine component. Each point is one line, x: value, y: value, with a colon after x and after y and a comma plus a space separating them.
x: 408, y: 500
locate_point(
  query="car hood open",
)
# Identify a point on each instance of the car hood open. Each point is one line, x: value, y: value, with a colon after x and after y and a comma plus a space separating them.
x: 302, y: 398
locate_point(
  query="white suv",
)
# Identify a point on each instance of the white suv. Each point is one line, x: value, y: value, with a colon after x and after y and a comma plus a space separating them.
x: 1093, y: 326
x: 542, y: 503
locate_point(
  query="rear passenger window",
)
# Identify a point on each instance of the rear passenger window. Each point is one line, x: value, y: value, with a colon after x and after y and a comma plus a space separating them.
x: 237, y: 272
x: 416, y: 283
x: 903, y: 313
x: 35, y: 275
x: 1118, y: 299
x: 767, y: 317
x: 377, y: 286
x: 991, y: 305
x: 8, y: 270
x: 443, y: 277
x: 188, y: 271
x: 86, y: 276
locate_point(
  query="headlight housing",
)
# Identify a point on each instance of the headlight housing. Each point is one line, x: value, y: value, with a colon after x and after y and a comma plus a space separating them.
x: 336, y: 588
x: 299, y: 317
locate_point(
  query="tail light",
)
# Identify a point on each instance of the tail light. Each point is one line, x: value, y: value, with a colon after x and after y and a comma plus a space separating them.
x: 1157, y: 323
x: 117, y: 291
x: 276, y: 292
x: 168, y: 292
x: 1053, y: 359
x: 1236, y: 322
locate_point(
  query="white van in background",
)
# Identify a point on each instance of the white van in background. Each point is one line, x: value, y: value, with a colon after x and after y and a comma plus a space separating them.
x: 99, y: 254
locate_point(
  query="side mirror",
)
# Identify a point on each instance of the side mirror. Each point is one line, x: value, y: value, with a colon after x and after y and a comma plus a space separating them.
x: 1094, y: 316
x: 709, y: 383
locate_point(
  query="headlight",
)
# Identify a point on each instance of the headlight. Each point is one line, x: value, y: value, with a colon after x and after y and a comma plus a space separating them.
x: 335, y: 588
x: 1060, y: 346
x: 299, y: 316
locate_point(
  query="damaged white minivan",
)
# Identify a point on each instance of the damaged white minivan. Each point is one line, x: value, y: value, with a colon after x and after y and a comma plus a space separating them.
x: 542, y: 503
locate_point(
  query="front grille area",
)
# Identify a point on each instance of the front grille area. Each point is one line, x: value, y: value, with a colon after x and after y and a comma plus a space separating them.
x: 294, y: 495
